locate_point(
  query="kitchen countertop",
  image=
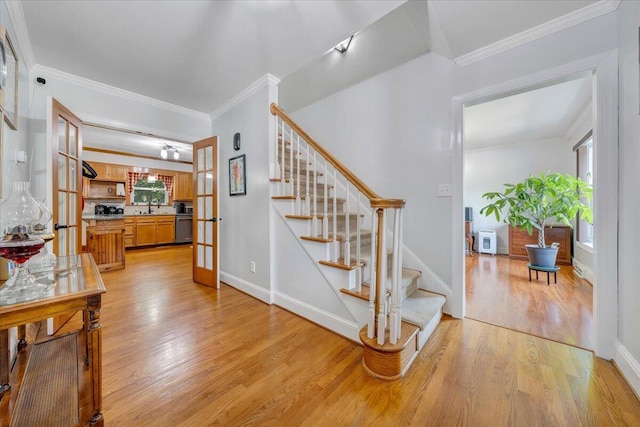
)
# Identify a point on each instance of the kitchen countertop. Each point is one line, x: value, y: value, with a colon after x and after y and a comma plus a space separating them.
x: 89, y: 217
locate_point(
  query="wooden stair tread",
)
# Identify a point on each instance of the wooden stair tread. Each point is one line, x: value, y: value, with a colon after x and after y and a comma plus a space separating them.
x: 364, y: 294
x: 341, y: 265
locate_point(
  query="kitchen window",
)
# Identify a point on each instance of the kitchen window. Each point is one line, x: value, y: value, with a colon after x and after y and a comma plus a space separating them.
x: 148, y: 189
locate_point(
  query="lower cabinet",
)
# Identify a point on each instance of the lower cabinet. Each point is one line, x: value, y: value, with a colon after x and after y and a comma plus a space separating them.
x: 129, y: 232
x: 105, y: 241
x: 152, y: 230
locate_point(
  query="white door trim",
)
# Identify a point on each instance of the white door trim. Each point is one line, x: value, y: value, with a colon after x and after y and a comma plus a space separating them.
x: 605, y: 100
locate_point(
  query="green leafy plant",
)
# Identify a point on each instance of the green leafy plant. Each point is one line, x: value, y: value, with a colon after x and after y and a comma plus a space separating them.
x: 536, y: 200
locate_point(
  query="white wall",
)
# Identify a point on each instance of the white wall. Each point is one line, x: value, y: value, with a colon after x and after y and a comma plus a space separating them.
x: 489, y: 169
x: 244, y: 229
x: 14, y: 140
x: 99, y: 104
x: 629, y: 232
x: 393, y: 131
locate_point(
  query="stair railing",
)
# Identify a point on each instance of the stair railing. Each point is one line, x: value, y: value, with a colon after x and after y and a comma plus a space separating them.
x: 318, y: 168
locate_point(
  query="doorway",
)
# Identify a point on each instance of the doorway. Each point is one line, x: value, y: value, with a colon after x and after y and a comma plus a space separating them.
x: 506, y: 140
x: 605, y: 104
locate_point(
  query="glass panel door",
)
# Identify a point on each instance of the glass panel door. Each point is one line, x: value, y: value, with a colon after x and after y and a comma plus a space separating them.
x: 205, y: 220
x: 67, y: 193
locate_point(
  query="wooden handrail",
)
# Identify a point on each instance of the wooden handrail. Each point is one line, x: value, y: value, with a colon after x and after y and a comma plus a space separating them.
x: 353, y: 179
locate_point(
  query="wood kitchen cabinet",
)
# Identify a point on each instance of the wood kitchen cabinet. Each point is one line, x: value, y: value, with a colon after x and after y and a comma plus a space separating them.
x: 129, y: 232
x: 155, y: 230
x: 110, y: 172
x: 183, y: 186
x: 558, y: 233
x: 105, y: 241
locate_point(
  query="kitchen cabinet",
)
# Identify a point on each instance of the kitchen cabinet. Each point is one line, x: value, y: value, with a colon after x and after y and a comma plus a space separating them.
x: 110, y: 172
x: 155, y: 230
x: 183, y: 186
x: 129, y: 232
x: 105, y: 241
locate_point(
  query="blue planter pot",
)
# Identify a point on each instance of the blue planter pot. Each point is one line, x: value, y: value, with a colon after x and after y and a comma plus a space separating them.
x: 542, y: 257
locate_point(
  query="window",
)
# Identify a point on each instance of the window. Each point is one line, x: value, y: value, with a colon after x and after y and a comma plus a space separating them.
x: 149, y: 191
x: 584, y: 151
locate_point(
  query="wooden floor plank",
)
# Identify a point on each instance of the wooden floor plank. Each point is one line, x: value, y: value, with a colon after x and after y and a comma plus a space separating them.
x: 180, y: 354
x: 498, y: 291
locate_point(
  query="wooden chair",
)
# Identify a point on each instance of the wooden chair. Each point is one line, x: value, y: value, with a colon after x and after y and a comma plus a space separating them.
x: 468, y: 236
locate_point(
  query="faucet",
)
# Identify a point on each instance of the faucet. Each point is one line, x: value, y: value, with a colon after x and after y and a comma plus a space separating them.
x: 150, y: 210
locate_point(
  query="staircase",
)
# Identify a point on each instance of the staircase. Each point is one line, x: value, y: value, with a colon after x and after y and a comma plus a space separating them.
x: 355, y: 238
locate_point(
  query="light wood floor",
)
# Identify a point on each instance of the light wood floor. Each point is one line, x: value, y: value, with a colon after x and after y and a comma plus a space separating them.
x: 498, y: 291
x: 179, y: 354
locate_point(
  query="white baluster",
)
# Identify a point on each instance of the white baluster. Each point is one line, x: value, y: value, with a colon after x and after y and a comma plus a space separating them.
x: 314, y: 221
x: 325, y: 218
x: 298, y: 200
x: 276, y: 168
x: 291, y: 183
x: 282, y: 163
x: 400, y: 232
x: 347, y: 244
x: 358, y: 246
x: 336, y: 244
x: 382, y: 309
x: 371, y: 327
x: 307, y: 200
x: 396, y: 277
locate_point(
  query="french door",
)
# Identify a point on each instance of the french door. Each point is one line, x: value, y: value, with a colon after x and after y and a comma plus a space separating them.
x: 205, y: 215
x: 66, y: 138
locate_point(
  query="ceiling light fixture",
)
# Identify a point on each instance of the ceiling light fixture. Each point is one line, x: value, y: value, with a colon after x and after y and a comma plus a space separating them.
x: 343, y: 45
x: 164, y: 153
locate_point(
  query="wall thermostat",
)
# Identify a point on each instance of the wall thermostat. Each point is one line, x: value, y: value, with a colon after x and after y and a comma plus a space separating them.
x: 236, y: 141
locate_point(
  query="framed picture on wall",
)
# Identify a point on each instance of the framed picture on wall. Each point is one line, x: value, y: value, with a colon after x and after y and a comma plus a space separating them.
x: 9, y: 76
x: 237, y: 176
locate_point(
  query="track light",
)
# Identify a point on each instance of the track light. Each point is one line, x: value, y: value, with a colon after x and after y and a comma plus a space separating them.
x: 343, y: 45
x: 164, y: 153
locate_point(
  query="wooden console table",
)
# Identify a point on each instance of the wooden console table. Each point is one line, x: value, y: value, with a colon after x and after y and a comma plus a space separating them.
x: 79, y: 287
x: 557, y: 233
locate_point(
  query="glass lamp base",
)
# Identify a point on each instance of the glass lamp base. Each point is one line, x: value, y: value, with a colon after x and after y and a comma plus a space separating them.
x: 42, y: 262
x: 23, y: 287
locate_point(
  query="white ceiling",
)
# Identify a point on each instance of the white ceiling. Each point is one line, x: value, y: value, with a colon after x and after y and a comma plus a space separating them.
x: 200, y: 54
x: 540, y: 114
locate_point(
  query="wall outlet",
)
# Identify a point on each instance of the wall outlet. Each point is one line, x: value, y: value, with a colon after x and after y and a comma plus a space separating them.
x: 444, y: 190
x: 252, y: 266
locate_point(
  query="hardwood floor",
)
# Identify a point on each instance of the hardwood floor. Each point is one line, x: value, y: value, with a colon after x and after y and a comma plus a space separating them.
x: 498, y: 291
x: 179, y: 354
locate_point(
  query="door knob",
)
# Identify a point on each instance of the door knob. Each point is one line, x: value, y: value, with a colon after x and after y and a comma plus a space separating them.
x: 58, y: 226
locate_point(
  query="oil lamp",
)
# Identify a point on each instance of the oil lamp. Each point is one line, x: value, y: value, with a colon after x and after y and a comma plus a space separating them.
x: 18, y: 215
x: 43, y: 261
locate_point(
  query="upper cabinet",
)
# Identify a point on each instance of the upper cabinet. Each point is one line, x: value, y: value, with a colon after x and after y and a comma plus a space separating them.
x: 109, y: 172
x: 183, y: 186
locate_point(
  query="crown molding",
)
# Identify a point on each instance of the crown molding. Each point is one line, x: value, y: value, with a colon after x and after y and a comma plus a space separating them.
x: 114, y: 91
x: 262, y: 82
x: 22, y: 34
x: 570, y: 19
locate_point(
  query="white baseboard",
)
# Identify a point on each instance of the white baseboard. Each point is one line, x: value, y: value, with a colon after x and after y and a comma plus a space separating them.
x: 249, y: 288
x: 346, y: 328
x: 629, y: 366
x: 583, y: 271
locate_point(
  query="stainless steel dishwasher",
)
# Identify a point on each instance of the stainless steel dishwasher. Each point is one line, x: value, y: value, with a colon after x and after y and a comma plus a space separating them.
x: 184, y: 228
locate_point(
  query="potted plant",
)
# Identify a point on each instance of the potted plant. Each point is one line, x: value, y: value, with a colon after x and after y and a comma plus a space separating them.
x: 535, y: 202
